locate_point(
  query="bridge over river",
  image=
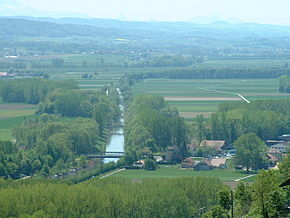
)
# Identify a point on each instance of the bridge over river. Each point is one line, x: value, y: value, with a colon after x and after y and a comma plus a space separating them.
x: 109, y: 154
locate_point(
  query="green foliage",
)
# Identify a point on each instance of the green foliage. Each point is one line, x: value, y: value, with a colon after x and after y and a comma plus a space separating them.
x: 269, y: 200
x: 284, y: 84
x: 216, y: 212
x: 154, y: 125
x: 111, y: 198
x: 251, y: 152
x: 31, y: 91
x: 150, y: 164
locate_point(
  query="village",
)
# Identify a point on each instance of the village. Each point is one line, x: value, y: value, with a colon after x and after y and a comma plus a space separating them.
x: 219, y: 155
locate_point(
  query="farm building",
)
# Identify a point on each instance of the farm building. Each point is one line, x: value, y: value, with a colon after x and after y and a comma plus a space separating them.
x: 202, y: 165
x: 218, y: 162
x: 217, y: 145
x: 187, y: 163
x: 281, y: 147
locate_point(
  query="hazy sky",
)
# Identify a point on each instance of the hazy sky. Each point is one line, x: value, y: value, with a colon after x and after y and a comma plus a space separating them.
x: 262, y: 11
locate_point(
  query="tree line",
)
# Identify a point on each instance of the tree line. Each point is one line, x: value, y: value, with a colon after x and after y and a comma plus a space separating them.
x: 266, y: 118
x: 31, y: 91
x: 151, y: 124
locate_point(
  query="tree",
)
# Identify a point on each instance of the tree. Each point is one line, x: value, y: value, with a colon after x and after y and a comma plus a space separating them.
x: 243, y: 199
x: 150, y: 164
x: 269, y: 198
x: 216, y: 212
x: 251, y: 152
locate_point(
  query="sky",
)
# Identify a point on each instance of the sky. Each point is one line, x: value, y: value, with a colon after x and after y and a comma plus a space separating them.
x: 258, y: 11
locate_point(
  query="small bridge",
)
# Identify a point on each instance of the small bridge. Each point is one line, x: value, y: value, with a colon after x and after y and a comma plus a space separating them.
x: 109, y: 154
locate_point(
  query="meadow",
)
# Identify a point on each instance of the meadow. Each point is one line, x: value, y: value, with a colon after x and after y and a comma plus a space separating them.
x: 193, y: 97
x: 226, y: 175
x: 12, y: 115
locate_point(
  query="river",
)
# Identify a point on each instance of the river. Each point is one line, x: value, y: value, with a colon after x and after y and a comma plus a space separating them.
x: 116, y: 141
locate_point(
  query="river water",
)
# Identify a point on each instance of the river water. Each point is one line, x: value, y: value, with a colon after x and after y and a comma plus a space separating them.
x: 116, y: 141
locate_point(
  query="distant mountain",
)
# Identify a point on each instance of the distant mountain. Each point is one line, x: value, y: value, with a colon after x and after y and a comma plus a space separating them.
x: 109, y: 28
x: 29, y: 28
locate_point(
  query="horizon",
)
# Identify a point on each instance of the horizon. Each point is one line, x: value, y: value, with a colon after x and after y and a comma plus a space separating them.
x: 196, y: 11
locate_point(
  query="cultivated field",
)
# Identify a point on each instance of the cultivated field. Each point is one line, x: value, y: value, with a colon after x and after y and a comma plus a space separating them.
x: 12, y: 115
x: 193, y: 97
x: 226, y: 175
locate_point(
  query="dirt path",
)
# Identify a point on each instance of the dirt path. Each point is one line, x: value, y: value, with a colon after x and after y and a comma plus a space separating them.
x: 237, y: 180
x: 114, y: 172
x: 230, y: 93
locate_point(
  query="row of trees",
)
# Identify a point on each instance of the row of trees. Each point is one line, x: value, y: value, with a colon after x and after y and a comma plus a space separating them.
x: 31, y: 91
x: 211, y: 73
x: 153, y: 125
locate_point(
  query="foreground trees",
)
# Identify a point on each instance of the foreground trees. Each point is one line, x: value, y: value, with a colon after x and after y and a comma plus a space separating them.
x: 110, y: 198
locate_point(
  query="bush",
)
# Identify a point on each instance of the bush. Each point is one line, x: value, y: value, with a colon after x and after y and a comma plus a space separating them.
x: 150, y: 164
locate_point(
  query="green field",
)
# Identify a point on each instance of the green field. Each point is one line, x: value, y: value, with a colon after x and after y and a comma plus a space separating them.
x: 12, y: 115
x: 226, y: 175
x: 193, y: 97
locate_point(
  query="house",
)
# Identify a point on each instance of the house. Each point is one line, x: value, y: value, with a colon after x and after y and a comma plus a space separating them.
x: 285, y: 137
x: 3, y: 74
x: 281, y: 147
x: 273, y: 142
x: 218, y: 163
x: 215, y: 144
x: 187, y: 163
x: 275, y: 155
x: 202, y: 165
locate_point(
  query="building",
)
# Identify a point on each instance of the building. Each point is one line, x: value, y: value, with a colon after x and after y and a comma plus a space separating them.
x: 3, y: 74
x: 217, y: 145
x: 281, y: 147
x: 202, y: 165
x: 187, y: 163
x: 218, y: 163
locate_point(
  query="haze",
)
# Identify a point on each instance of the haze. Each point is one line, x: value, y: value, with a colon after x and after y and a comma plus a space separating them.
x: 258, y: 11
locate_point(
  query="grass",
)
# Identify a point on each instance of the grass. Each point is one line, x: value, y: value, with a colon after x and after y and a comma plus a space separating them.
x: 226, y: 175
x: 193, y: 97
x: 12, y: 115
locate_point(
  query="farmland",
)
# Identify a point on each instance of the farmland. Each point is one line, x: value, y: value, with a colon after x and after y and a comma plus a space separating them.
x: 226, y: 175
x: 12, y: 115
x: 193, y: 97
